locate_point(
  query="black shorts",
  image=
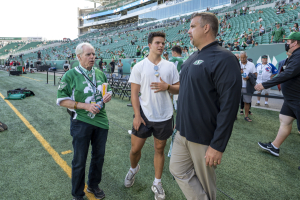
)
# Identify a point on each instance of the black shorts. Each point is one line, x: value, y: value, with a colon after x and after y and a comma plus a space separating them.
x: 160, y: 130
x: 291, y: 109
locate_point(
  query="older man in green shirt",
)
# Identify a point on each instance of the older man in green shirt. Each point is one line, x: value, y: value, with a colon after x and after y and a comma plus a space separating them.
x: 279, y: 34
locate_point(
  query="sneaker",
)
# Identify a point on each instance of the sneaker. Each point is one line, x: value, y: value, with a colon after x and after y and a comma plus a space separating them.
x: 267, y: 105
x: 99, y: 194
x: 257, y: 104
x: 158, y: 191
x: 129, y: 179
x: 269, y: 147
x: 77, y: 198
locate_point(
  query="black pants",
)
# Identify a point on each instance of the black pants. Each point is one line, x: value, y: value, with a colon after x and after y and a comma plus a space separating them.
x: 242, y: 103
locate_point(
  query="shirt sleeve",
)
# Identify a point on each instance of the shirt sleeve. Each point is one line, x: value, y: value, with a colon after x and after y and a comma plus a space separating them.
x: 228, y: 83
x: 64, y: 91
x: 274, y: 70
x: 292, y: 70
x: 135, y: 76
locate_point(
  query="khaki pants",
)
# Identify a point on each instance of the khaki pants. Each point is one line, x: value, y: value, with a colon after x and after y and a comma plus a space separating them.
x: 196, y: 180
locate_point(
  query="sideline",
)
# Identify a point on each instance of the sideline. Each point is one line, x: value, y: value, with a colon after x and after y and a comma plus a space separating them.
x: 62, y: 163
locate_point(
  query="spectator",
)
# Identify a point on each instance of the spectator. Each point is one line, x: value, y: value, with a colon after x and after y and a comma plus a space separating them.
x: 279, y: 34
x: 39, y: 54
x: 235, y: 47
x: 295, y: 28
x: 265, y: 71
x: 259, y: 19
x: 112, y: 66
x: 120, y: 68
x: 132, y: 64
x: 27, y: 65
x: 138, y: 51
x: 252, y: 22
x: 66, y: 66
x: 261, y: 30
x: 220, y: 41
x: 101, y: 64
x: 166, y: 55
x: 247, y: 68
x: 256, y: 44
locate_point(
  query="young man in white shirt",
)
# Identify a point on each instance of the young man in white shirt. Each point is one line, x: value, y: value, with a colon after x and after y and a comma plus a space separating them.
x: 246, y: 68
x: 155, y: 78
x: 265, y: 71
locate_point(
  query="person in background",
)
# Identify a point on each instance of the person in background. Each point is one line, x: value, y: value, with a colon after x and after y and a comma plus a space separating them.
x: 101, y: 64
x: 120, y: 68
x: 166, y: 55
x: 265, y: 71
x: 132, y: 64
x: 247, y: 67
x: 278, y: 34
x: 289, y: 80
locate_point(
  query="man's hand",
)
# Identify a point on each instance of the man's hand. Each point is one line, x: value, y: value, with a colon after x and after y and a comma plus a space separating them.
x: 259, y: 87
x: 213, y: 157
x: 106, y: 98
x: 246, y: 78
x: 137, y: 122
x: 159, y: 86
x: 93, y: 108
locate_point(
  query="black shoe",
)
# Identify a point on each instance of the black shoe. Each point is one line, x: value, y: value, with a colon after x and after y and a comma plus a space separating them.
x: 99, y: 194
x: 269, y: 147
x: 77, y: 198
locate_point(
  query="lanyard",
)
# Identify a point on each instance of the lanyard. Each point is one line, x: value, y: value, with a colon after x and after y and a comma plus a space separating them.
x: 94, y: 88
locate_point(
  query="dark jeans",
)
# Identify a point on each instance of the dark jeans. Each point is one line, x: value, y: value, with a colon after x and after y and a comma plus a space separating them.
x: 120, y: 71
x: 83, y: 134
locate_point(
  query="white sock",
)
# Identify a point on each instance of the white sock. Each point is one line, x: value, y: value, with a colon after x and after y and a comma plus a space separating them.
x: 134, y: 170
x: 274, y: 146
x: 266, y: 102
x: 156, y: 181
x: 258, y: 101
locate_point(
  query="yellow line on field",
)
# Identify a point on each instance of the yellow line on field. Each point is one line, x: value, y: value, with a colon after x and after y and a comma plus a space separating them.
x: 66, y: 152
x: 30, y: 78
x: 62, y: 163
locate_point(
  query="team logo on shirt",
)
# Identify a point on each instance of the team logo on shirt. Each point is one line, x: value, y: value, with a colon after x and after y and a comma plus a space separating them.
x: 268, y: 69
x: 198, y: 62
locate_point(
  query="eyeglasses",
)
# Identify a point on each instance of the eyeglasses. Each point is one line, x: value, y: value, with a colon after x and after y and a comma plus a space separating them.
x: 156, y: 72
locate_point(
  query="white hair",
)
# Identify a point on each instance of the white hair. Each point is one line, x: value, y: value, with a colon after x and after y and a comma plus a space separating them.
x: 79, y: 48
x: 243, y: 53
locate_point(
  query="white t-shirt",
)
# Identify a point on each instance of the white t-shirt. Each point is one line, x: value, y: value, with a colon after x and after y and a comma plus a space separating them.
x: 248, y: 68
x: 157, y: 107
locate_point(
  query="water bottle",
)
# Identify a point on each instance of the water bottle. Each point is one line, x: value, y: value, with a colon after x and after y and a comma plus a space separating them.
x: 92, y: 115
x: 245, y: 75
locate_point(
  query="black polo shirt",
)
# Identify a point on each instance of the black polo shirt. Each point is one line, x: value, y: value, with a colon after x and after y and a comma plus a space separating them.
x: 289, y: 79
x: 209, y: 94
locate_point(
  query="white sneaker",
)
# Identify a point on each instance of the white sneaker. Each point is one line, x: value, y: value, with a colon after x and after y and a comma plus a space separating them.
x: 158, y: 191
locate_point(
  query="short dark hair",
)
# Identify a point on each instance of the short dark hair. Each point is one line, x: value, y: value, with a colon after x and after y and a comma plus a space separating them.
x: 208, y: 18
x: 105, y: 63
x: 155, y: 34
x: 177, y: 49
x: 134, y: 59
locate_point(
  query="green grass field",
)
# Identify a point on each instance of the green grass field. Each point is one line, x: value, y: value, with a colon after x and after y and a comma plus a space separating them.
x: 28, y: 171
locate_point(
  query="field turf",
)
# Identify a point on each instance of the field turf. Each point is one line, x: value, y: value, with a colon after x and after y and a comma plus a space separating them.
x: 37, y: 169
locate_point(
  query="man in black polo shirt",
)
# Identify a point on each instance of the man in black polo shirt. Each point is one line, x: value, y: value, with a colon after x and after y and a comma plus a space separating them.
x: 210, y: 89
x: 289, y: 78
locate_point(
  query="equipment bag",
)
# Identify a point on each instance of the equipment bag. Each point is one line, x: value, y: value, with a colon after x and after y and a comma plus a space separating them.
x: 27, y: 93
x: 16, y: 96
